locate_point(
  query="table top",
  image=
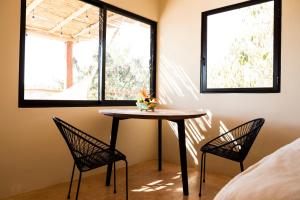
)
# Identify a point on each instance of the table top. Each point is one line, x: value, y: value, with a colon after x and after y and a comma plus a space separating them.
x: 168, y: 114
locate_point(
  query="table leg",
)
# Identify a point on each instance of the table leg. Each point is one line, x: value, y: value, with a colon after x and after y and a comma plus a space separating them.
x: 113, y: 140
x: 159, y: 144
x: 183, y: 160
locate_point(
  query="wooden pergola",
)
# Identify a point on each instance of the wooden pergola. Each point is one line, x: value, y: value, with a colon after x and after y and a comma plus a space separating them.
x: 70, y: 21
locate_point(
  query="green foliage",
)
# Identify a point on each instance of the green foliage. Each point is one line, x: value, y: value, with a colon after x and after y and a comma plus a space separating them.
x: 250, y: 61
x: 125, y: 75
x: 123, y: 78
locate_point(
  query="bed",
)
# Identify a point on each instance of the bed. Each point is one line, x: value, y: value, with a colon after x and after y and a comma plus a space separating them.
x: 276, y: 176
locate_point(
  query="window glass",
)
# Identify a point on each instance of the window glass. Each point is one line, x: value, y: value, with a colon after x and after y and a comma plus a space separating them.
x: 45, y: 70
x: 127, y: 57
x: 61, y: 51
x: 238, y: 48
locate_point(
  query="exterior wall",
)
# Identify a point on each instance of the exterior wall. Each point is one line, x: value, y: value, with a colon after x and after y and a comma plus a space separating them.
x: 33, y: 154
x: 179, y: 85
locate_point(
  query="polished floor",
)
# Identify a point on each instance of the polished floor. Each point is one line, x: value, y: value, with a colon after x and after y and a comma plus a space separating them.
x: 145, y: 183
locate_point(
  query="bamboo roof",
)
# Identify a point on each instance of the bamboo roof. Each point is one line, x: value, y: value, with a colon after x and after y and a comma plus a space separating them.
x: 68, y: 20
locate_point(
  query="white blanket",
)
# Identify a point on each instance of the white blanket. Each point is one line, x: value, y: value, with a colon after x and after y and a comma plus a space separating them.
x: 276, y: 176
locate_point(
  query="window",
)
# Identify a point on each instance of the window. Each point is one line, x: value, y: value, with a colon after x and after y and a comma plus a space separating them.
x: 84, y: 53
x: 241, y: 48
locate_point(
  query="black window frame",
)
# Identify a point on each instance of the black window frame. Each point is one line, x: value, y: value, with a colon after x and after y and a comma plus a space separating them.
x: 276, y: 50
x: 25, y: 103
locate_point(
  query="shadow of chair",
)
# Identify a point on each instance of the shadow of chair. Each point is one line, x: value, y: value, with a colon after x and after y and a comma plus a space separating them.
x: 234, y: 145
x: 88, y: 153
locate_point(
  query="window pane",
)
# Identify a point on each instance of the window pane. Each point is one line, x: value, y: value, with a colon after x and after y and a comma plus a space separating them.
x: 127, y: 67
x: 61, y: 51
x: 240, y: 47
x: 65, y: 61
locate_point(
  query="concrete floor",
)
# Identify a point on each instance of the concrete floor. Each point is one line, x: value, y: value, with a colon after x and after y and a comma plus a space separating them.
x: 145, y: 183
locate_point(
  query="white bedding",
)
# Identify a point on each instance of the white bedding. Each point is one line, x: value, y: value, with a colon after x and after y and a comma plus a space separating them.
x: 276, y: 176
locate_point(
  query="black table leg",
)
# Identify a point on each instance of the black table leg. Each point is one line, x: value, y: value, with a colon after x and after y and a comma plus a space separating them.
x: 183, y: 160
x: 113, y: 140
x: 159, y: 144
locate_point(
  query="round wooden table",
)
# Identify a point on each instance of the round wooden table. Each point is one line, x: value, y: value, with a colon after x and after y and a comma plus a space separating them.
x: 177, y: 116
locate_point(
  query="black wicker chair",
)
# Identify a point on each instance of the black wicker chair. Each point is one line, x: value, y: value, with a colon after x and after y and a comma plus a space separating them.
x: 88, y: 152
x: 234, y: 145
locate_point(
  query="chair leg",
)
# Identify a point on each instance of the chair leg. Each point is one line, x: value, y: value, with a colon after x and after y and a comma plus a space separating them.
x: 242, y: 166
x: 204, y: 167
x: 126, y: 179
x: 115, y: 190
x: 71, y: 181
x: 201, y: 171
x: 78, y: 186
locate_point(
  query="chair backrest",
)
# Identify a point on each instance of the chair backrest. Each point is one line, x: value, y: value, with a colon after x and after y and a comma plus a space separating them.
x: 80, y: 144
x: 244, y: 136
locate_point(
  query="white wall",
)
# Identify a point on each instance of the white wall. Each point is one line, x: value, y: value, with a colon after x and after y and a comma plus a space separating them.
x: 33, y: 154
x: 179, y: 83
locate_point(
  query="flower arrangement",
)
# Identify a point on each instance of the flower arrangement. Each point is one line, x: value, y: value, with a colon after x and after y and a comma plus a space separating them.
x: 145, y: 101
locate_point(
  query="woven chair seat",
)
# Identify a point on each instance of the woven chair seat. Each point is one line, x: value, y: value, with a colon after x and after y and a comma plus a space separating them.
x: 98, y: 159
x: 222, y: 152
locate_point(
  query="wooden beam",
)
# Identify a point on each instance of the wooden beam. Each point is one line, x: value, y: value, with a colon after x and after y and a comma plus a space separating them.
x: 86, y: 30
x: 32, y: 6
x: 114, y: 16
x: 43, y: 33
x: 69, y: 60
x: 70, y: 18
x: 95, y: 25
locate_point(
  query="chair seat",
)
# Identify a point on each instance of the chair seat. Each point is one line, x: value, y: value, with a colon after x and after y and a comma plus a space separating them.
x: 99, y: 159
x: 222, y: 152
